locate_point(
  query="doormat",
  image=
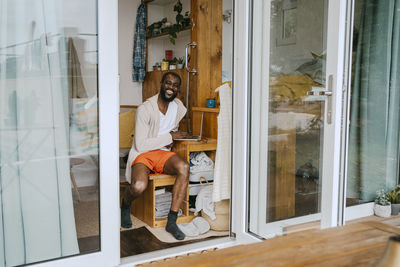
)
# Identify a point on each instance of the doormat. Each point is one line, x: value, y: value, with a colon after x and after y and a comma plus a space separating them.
x: 141, y: 240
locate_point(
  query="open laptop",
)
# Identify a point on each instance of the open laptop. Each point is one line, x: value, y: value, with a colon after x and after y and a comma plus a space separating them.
x: 194, y: 137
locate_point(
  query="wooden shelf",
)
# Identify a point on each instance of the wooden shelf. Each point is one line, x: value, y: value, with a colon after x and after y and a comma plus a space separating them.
x: 165, y: 33
x: 204, y: 109
x: 162, y: 71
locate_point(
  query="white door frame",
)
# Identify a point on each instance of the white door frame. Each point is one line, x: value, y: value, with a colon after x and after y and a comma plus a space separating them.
x: 240, y: 152
x: 332, y: 132
x: 109, y: 255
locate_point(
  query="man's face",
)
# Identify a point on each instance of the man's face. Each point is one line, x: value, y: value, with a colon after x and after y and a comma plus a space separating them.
x: 169, y: 88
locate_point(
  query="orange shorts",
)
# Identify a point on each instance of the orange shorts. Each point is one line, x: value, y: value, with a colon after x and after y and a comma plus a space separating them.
x: 154, y: 160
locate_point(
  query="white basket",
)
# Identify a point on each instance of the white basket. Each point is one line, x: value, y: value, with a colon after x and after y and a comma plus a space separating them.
x: 194, y: 189
x: 195, y: 175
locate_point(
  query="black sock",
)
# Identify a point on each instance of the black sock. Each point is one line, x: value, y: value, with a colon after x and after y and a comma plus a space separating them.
x: 126, y: 221
x: 172, y: 227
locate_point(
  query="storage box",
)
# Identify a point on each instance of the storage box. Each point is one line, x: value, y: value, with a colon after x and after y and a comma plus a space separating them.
x: 195, y: 176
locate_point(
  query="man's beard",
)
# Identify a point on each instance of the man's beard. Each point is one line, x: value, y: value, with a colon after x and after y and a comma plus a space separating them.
x: 163, y: 97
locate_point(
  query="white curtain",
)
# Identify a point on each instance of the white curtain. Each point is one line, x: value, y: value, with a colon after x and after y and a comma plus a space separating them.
x: 36, y: 209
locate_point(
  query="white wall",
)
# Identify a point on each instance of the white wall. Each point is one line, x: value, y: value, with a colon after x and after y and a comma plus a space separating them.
x: 157, y: 46
x: 130, y: 93
x: 227, y: 42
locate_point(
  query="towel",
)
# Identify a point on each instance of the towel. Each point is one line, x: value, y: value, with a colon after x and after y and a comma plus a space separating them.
x: 222, y: 170
x: 199, y: 161
x: 196, y: 227
x: 139, y: 49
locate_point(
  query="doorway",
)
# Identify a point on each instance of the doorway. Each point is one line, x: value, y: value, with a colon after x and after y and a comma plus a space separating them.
x: 166, y: 52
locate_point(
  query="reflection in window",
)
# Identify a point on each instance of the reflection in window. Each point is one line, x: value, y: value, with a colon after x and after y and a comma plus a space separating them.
x: 48, y: 130
x: 373, y: 161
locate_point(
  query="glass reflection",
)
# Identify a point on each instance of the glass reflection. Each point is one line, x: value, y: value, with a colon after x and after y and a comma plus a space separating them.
x: 48, y: 130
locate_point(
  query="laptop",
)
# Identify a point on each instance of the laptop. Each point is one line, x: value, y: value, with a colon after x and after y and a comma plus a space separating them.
x: 194, y: 137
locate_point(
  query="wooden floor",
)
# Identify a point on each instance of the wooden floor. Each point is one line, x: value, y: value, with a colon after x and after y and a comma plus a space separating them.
x: 356, y: 244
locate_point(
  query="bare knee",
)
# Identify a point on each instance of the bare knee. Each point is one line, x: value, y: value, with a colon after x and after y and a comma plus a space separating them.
x: 138, y: 187
x: 183, y: 169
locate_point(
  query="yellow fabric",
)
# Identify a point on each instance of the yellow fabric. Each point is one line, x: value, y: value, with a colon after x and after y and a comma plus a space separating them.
x: 126, y: 128
x: 292, y: 87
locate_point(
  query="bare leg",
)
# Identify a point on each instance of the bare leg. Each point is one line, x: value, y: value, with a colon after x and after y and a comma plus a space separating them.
x: 140, y: 177
x: 139, y: 181
x: 175, y: 165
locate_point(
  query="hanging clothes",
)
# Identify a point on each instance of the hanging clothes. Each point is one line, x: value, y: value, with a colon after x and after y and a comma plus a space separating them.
x: 222, y: 170
x: 139, y: 49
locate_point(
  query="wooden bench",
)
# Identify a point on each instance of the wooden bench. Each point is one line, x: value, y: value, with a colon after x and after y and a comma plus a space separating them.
x: 143, y: 207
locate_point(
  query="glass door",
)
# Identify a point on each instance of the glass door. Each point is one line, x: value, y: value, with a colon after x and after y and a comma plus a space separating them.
x: 58, y: 133
x: 293, y: 115
x: 374, y: 99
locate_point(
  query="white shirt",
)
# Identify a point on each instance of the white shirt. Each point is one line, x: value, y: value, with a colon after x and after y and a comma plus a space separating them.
x: 167, y: 121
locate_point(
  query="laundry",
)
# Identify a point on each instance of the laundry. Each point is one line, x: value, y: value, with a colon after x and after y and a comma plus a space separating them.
x: 199, y: 161
x: 196, y: 227
x: 163, y: 205
x: 205, y: 203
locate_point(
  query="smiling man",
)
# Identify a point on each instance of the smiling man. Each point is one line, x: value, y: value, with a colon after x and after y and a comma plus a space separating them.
x: 157, y: 122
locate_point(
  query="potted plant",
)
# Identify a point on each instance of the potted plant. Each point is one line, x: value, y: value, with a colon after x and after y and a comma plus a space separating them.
x: 180, y: 63
x: 172, y: 64
x: 382, y: 207
x: 394, y: 198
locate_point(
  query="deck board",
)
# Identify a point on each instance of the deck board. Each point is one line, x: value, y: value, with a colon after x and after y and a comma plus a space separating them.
x: 356, y: 244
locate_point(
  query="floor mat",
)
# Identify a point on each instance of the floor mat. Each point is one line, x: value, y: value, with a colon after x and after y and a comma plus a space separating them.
x: 141, y: 240
x: 165, y: 237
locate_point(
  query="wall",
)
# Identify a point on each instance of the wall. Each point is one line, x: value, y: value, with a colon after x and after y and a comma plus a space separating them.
x: 309, y: 35
x: 130, y: 93
x: 157, y: 46
x: 227, y: 43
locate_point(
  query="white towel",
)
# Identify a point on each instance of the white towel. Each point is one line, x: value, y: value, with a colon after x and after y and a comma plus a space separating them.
x: 222, y: 170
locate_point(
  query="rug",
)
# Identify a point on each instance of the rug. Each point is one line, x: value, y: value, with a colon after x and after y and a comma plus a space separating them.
x: 141, y: 240
x: 163, y: 236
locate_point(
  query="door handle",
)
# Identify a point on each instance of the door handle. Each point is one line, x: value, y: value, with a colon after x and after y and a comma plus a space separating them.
x: 318, y: 92
x: 189, y: 46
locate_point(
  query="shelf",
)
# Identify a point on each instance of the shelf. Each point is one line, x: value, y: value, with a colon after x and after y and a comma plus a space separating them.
x: 162, y: 71
x: 204, y: 109
x: 165, y: 33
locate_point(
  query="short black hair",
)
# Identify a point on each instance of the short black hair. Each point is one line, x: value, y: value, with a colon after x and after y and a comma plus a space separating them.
x: 173, y: 74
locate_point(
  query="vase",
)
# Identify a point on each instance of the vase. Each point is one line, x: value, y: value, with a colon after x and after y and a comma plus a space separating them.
x: 382, y: 211
x: 395, y: 209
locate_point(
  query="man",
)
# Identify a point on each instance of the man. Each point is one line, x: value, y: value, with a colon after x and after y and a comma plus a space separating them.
x: 157, y: 122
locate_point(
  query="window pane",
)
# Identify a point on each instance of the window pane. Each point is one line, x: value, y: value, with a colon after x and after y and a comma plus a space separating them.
x: 373, y: 160
x: 48, y: 130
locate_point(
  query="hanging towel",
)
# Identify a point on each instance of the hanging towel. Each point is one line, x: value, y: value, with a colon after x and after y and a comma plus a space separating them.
x: 222, y: 170
x: 139, y: 48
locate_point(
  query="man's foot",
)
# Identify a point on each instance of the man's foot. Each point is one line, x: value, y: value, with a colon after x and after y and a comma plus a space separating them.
x: 172, y: 227
x: 126, y: 221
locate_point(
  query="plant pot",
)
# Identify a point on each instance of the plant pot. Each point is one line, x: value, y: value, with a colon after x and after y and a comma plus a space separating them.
x: 180, y: 66
x: 382, y: 211
x: 172, y: 67
x: 395, y: 209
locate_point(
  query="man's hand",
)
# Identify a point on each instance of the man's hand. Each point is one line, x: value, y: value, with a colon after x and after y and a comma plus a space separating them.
x: 178, y: 135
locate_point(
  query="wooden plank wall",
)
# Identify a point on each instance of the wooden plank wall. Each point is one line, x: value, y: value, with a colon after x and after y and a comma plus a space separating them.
x: 207, y: 59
